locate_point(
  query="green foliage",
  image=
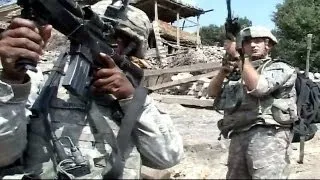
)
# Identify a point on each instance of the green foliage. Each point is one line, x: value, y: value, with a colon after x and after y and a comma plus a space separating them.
x: 294, y: 19
x: 244, y: 22
x: 213, y: 34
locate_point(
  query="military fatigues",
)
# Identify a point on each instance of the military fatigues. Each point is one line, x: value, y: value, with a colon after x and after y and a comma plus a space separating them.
x: 260, y: 129
x: 155, y: 142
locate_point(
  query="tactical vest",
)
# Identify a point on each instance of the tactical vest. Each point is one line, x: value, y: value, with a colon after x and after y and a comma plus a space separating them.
x: 277, y: 108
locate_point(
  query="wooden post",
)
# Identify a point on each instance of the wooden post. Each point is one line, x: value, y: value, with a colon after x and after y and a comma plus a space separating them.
x: 309, y: 43
x: 156, y: 10
x: 301, y: 124
x: 198, y: 32
x: 178, y: 30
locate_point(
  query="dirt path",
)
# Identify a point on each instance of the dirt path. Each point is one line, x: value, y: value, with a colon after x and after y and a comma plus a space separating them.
x: 310, y: 168
x: 206, y: 157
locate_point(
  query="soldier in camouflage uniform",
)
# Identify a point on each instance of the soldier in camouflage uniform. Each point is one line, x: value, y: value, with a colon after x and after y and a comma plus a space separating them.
x: 259, y: 108
x: 154, y: 142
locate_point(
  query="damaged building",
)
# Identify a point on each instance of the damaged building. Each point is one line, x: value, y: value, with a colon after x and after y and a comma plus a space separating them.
x: 167, y: 38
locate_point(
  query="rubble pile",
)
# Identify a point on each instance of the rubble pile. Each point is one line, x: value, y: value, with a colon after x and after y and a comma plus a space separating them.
x: 198, y: 89
x: 187, y: 56
x: 204, y: 54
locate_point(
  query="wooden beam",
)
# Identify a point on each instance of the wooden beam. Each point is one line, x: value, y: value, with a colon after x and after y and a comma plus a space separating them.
x: 208, y: 11
x: 175, y: 11
x: 167, y: 8
x: 169, y: 44
x: 183, y: 99
x: 190, y: 26
x: 188, y: 68
x: 183, y: 81
x: 182, y: 5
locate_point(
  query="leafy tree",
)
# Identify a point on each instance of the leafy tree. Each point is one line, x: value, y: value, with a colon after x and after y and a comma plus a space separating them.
x: 213, y: 34
x: 244, y: 22
x: 294, y: 19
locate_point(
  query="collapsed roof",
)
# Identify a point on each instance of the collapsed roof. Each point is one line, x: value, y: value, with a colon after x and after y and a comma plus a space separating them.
x: 167, y: 9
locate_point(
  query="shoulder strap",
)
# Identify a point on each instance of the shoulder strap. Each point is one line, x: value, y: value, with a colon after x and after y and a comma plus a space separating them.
x: 120, y: 144
x: 127, y: 124
x: 40, y: 108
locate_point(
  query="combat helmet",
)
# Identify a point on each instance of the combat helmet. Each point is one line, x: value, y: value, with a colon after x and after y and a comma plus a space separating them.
x: 255, y: 32
x: 131, y: 21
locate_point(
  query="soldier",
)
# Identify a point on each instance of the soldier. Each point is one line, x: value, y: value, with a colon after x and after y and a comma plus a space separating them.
x: 154, y: 141
x: 259, y: 107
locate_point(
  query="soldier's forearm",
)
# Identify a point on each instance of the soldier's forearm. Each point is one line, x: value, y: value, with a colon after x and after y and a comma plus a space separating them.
x: 250, y: 75
x: 216, y: 84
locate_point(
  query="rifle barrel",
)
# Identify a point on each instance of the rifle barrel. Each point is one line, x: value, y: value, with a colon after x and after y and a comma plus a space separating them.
x: 229, y: 9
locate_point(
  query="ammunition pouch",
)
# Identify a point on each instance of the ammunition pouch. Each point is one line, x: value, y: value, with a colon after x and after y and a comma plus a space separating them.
x: 230, y: 97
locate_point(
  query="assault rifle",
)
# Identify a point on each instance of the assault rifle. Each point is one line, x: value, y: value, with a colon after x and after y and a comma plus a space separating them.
x: 232, y: 28
x: 89, y: 35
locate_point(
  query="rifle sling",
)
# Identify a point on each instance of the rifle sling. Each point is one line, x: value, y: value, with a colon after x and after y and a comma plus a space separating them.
x: 40, y: 108
x: 119, y: 144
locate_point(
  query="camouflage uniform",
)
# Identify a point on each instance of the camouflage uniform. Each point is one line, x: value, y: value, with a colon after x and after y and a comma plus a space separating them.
x: 261, y: 153
x: 154, y: 141
x: 260, y: 128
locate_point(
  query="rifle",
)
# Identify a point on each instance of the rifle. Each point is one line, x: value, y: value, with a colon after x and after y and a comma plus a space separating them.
x: 68, y: 167
x: 88, y: 34
x: 232, y: 28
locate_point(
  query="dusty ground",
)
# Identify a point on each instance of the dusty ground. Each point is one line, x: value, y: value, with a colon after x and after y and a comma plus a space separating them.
x: 206, y: 157
x: 309, y: 169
